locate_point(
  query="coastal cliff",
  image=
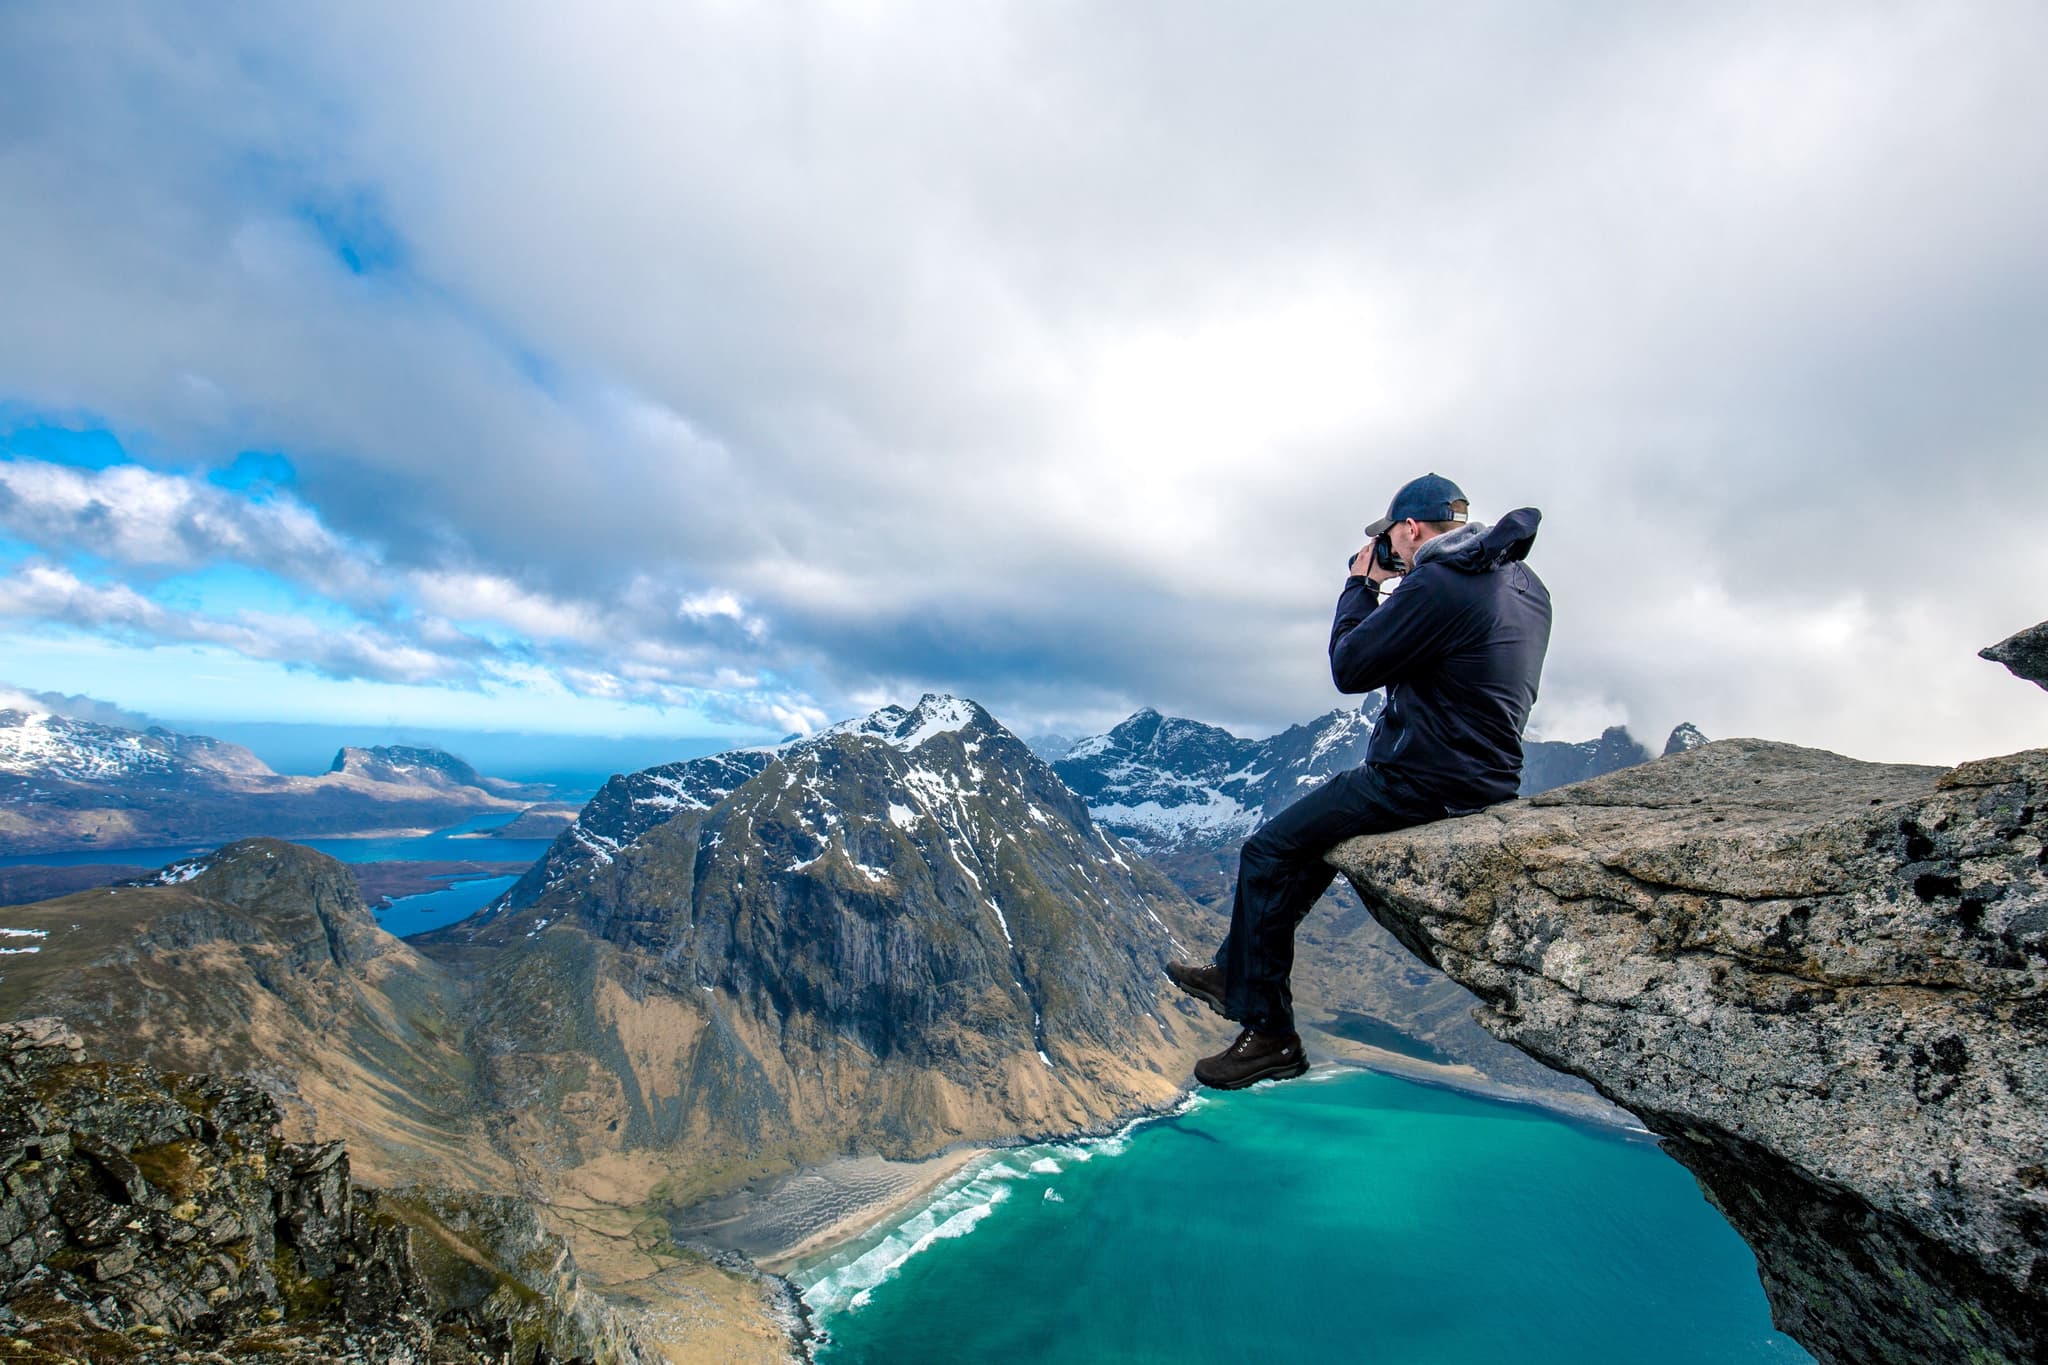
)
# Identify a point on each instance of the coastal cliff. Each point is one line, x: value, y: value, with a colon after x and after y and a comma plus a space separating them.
x: 1823, y: 983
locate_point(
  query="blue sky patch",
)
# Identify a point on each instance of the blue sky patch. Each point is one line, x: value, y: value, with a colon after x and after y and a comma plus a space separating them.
x: 227, y: 589
x: 355, y: 229
x: 254, y: 469
x: 91, y: 448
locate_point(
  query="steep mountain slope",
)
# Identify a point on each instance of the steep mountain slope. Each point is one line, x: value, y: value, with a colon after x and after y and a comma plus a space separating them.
x: 897, y: 934
x: 68, y: 784
x: 261, y: 958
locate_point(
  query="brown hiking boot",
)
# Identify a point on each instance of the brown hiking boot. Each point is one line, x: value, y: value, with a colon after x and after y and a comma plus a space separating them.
x: 1205, y: 982
x: 1253, y: 1057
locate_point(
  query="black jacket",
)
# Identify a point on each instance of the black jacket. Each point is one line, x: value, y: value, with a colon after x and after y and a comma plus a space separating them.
x: 1459, y: 647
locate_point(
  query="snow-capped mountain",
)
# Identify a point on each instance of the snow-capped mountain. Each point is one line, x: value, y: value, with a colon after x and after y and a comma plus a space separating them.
x: 1166, y: 783
x: 1684, y: 736
x: 1172, y: 785
x: 67, y: 783
x: 1557, y: 763
x: 905, y: 928
x: 60, y: 748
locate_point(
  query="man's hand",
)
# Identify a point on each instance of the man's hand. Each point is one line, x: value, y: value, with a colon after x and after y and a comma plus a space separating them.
x: 1363, y: 565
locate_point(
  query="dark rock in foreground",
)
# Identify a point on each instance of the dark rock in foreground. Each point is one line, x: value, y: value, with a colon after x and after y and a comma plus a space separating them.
x: 2026, y: 654
x: 155, y: 1217
x: 1824, y: 983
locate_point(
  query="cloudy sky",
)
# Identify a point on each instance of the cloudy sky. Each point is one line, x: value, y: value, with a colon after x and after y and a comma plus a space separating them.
x: 722, y: 369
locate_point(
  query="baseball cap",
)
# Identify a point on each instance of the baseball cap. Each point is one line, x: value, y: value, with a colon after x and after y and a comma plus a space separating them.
x: 1428, y: 498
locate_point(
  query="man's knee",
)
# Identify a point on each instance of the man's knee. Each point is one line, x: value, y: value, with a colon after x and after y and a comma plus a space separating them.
x: 1264, y: 849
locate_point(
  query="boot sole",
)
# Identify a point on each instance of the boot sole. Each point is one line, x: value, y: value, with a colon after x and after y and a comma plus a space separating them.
x: 1286, y: 1071
x: 1212, y: 1000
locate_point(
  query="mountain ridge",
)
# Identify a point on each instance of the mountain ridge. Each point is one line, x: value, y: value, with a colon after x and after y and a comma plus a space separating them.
x: 68, y: 784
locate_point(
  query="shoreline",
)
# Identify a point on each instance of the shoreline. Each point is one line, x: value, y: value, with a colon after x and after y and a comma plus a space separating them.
x: 815, y: 1209
x: 778, y: 1224
x: 1469, y: 1080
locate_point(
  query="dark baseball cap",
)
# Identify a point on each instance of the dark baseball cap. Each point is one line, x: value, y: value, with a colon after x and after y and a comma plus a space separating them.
x: 1428, y: 498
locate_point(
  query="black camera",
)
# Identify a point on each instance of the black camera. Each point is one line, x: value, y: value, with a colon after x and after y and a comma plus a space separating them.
x: 1384, y: 556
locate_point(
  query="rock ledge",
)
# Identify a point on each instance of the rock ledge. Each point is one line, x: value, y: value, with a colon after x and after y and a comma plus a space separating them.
x: 1823, y: 983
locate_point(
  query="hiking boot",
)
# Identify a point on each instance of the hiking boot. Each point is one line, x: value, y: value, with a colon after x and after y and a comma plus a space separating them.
x: 1205, y: 983
x: 1253, y: 1057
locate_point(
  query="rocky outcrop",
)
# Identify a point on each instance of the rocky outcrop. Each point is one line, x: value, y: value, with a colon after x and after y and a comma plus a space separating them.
x: 261, y: 959
x: 2026, y: 654
x: 154, y: 1217
x: 1823, y: 983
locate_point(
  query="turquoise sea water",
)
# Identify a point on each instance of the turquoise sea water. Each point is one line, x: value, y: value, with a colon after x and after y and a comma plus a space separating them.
x: 1348, y: 1216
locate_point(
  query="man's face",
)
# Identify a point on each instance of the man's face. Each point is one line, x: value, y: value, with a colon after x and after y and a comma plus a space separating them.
x: 1404, y: 537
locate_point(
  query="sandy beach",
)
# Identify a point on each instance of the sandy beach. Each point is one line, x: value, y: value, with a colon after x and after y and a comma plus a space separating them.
x: 785, y: 1219
x: 1470, y: 1080
x: 789, y: 1217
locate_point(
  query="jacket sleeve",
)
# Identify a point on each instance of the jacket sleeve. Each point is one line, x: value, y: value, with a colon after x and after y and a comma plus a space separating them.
x: 1374, y: 642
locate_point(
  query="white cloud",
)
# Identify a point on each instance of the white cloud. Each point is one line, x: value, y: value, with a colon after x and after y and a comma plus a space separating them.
x: 74, y: 705
x: 1056, y: 355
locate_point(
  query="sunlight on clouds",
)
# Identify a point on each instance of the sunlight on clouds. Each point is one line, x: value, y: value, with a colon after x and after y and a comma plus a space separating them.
x: 703, y: 605
x: 1056, y: 353
x: 149, y: 520
x: 489, y: 597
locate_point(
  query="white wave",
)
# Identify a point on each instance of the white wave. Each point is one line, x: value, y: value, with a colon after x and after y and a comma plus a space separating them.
x: 955, y: 1213
x: 842, y: 1281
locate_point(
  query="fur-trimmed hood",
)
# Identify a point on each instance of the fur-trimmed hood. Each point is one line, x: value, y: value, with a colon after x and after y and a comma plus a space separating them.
x: 1476, y: 547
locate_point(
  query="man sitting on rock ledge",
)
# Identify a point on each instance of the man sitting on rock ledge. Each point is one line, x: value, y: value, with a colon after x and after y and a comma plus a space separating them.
x: 1459, y: 647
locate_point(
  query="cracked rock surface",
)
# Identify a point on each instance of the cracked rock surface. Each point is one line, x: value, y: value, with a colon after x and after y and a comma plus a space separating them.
x: 1823, y: 983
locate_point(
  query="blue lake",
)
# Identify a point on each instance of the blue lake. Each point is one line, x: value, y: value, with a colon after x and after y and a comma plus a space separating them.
x: 406, y: 914
x: 1348, y: 1216
x: 409, y: 915
x: 464, y: 841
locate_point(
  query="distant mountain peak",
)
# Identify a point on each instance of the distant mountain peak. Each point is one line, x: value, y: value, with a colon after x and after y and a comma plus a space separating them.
x: 47, y: 745
x: 1168, y: 782
x: 405, y: 763
x: 936, y: 713
x: 1684, y: 736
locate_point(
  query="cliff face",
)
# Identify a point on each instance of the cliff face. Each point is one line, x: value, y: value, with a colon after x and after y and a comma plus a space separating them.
x: 162, y: 1218
x: 1823, y: 983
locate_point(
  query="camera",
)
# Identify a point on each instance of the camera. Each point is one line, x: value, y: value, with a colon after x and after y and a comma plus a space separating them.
x: 1384, y: 556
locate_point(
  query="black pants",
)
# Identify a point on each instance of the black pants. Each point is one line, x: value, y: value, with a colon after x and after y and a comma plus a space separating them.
x: 1280, y: 875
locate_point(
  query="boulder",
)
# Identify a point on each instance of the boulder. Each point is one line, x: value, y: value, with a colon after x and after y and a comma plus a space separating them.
x: 1824, y: 985
x: 2026, y: 654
